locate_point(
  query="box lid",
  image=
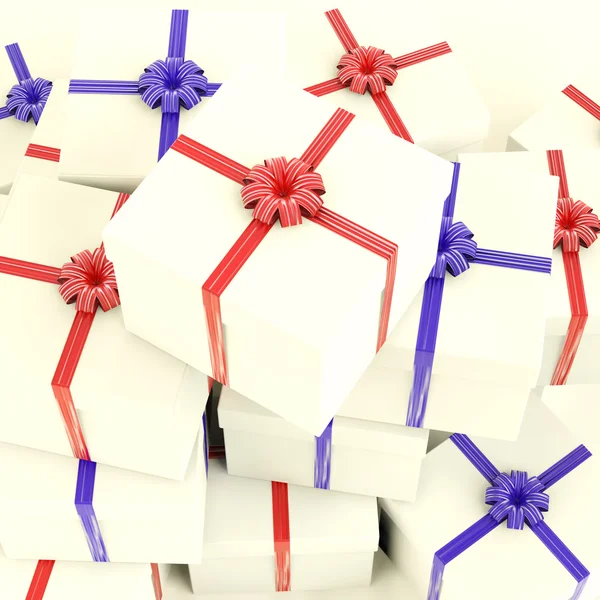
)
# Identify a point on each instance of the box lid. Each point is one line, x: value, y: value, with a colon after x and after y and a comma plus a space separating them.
x: 237, y: 412
x: 47, y: 222
x: 562, y: 123
x: 239, y: 518
x: 578, y: 408
x: 437, y: 122
x: 491, y: 327
x: 76, y: 580
x: 42, y: 483
x: 451, y: 498
x: 583, y: 179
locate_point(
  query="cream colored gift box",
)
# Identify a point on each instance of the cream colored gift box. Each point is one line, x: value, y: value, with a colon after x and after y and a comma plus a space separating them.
x: 138, y: 407
x: 332, y: 537
x: 569, y: 120
x: 61, y: 580
x: 47, y: 58
x: 141, y: 518
x: 504, y: 562
x: 303, y: 313
x: 112, y: 140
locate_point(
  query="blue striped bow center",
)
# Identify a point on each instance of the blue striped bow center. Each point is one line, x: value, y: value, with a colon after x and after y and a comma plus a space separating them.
x: 517, y: 499
x: 456, y: 249
x: 27, y: 99
x: 173, y: 83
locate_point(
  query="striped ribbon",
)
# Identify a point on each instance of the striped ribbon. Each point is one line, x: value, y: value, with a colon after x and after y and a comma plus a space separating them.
x: 488, y: 523
x: 456, y: 251
x: 61, y: 382
x: 380, y: 97
x: 176, y: 81
x: 584, y: 224
x: 27, y: 99
x: 281, y: 536
x: 584, y: 101
x: 43, y: 570
x: 43, y: 152
x: 256, y: 231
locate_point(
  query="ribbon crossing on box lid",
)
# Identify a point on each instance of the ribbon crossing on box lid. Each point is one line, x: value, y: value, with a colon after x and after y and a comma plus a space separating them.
x: 368, y: 69
x: 170, y: 84
x: 517, y: 499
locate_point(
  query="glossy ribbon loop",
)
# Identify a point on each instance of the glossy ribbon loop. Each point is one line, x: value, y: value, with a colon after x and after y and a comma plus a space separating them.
x: 284, y: 190
x: 173, y: 83
x: 576, y: 225
x: 517, y: 499
x: 89, y: 280
x: 456, y: 248
x: 365, y: 69
x: 27, y: 99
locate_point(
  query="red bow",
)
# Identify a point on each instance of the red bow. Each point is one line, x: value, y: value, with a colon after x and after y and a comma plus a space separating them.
x: 575, y: 224
x: 283, y: 189
x: 90, y: 280
x: 367, y: 68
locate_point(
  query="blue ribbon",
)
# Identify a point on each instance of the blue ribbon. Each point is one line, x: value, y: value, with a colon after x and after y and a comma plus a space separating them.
x: 27, y: 99
x: 170, y: 83
x: 84, y: 497
x: 519, y: 500
x: 322, y: 469
x: 456, y: 251
x: 205, y: 441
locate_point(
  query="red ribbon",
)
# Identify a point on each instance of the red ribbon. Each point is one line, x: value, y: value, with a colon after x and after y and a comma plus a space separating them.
x: 580, y: 98
x: 576, y: 226
x: 371, y: 69
x: 43, y: 570
x: 81, y: 281
x: 43, y: 152
x: 256, y: 231
x: 281, y: 536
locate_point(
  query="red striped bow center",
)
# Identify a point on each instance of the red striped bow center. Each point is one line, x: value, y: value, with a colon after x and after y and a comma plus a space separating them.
x: 576, y: 225
x: 367, y: 68
x: 284, y: 190
x: 89, y: 279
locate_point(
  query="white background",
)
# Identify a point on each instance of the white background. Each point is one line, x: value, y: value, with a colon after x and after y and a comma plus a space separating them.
x: 516, y: 51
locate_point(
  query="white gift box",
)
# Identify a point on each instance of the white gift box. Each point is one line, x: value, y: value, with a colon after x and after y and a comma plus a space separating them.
x: 360, y: 457
x: 43, y: 153
x: 50, y: 580
x: 332, y: 538
x: 112, y: 140
x: 568, y: 120
x: 47, y: 58
x: 302, y: 315
x: 142, y: 518
x: 490, y: 336
x: 583, y: 180
x: 578, y: 408
x: 504, y: 562
x: 3, y: 204
x: 138, y: 407
x: 443, y: 122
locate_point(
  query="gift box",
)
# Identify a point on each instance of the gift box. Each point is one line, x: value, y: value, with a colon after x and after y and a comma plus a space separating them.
x: 467, y: 352
x: 573, y: 302
x: 58, y: 580
x: 499, y: 519
x: 267, y: 536
x: 299, y: 308
x: 90, y: 388
x: 43, y: 152
x: 352, y: 455
x: 569, y: 120
x: 27, y: 70
x: 577, y: 407
x: 3, y: 204
x: 63, y: 508
x: 362, y: 61
x: 112, y: 136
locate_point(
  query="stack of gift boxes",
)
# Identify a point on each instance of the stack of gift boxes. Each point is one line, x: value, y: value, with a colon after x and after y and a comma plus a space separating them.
x: 243, y: 278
